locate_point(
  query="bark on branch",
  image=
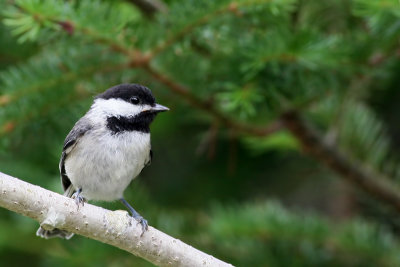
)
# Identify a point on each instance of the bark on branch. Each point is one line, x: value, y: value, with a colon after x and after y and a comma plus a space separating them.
x: 116, y: 228
x: 354, y: 172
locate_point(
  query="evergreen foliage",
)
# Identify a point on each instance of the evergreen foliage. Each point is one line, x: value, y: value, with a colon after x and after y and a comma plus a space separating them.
x: 220, y: 66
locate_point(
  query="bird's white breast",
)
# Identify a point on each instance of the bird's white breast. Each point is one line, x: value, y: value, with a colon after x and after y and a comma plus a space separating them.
x: 103, y: 164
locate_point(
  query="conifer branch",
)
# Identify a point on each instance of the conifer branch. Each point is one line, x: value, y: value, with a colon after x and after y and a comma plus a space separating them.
x: 112, y: 42
x: 351, y: 170
x: 72, y: 27
x: 64, y: 77
x: 208, y: 107
x: 6, y: 99
x: 231, y: 7
x: 116, y: 228
x: 186, y: 30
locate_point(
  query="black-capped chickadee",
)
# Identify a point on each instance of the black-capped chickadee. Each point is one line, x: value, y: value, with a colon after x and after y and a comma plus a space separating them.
x: 107, y: 148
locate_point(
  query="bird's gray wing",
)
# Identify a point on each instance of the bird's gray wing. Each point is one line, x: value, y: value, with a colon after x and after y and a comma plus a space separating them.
x: 80, y: 128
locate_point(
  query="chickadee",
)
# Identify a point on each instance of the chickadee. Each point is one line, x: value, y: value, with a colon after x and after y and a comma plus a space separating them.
x: 107, y: 148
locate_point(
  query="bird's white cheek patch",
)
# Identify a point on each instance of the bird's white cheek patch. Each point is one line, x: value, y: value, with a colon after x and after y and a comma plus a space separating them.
x: 116, y: 107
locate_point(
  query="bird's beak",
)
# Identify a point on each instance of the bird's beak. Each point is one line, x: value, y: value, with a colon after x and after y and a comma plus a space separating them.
x: 159, y: 108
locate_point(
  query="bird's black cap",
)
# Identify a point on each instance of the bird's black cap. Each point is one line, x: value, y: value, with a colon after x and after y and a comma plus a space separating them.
x: 126, y: 91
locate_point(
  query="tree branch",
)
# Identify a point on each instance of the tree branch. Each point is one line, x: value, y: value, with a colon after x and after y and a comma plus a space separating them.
x: 116, y: 228
x: 353, y: 171
x: 209, y: 107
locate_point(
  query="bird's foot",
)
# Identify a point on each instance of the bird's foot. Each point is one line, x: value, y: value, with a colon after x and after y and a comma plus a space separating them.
x: 136, y: 216
x: 79, y: 199
x: 142, y: 221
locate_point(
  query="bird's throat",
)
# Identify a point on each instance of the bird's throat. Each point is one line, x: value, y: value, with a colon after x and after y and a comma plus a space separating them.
x: 140, y: 123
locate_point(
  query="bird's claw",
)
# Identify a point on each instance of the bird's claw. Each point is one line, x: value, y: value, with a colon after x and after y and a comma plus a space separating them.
x: 136, y: 216
x: 79, y: 200
x: 143, y: 223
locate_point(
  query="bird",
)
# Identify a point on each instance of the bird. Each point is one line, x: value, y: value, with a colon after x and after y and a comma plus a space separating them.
x: 107, y: 148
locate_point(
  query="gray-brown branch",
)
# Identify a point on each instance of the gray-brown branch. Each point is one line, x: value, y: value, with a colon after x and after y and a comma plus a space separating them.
x: 116, y: 228
x: 354, y: 172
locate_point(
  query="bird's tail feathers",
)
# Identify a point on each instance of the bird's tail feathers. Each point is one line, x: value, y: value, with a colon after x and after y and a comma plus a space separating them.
x: 69, y: 191
x: 57, y: 232
x: 53, y: 233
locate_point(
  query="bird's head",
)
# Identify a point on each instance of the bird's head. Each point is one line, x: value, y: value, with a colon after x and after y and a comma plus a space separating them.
x: 128, y: 100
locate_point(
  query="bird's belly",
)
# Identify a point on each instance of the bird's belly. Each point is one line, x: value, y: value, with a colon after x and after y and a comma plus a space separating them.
x: 104, y: 168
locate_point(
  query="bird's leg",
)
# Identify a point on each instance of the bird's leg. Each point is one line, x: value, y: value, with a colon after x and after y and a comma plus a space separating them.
x: 136, y: 216
x: 79, y: 199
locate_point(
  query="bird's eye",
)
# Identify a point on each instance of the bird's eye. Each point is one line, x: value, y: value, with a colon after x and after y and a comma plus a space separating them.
x: 134, y: 100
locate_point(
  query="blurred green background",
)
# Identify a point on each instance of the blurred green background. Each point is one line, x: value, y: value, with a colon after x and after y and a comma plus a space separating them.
x: 227, y: 176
